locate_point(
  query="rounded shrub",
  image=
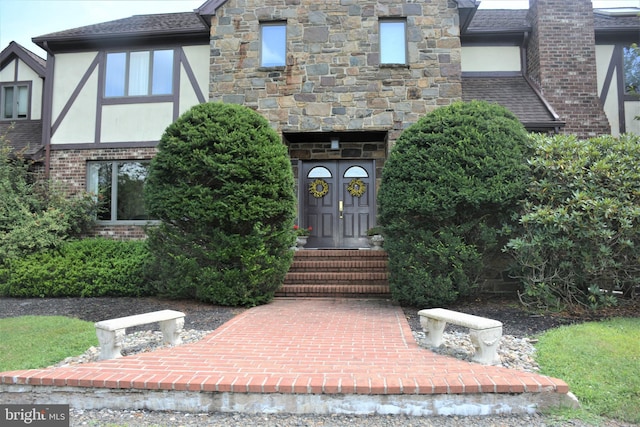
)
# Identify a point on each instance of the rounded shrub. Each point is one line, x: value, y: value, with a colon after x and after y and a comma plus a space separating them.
x: 223, y: 188
x: 452, y: 181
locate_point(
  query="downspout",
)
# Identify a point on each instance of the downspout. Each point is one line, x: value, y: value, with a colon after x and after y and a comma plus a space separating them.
x: 46, y: 108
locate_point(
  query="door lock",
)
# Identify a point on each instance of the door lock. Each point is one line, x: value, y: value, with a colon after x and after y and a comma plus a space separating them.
x: 340, y: 207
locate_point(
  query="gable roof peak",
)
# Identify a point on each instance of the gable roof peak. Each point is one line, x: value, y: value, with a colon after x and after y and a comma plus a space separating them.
x: 34, y: 61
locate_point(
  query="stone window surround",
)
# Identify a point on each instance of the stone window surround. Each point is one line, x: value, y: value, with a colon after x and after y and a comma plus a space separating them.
x: 282, y: 50
x: 390, y: 20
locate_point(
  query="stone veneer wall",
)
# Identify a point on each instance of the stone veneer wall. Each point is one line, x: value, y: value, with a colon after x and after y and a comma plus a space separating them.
x: 333, y: 80
x: 561, y: 58
x: 68, y: 170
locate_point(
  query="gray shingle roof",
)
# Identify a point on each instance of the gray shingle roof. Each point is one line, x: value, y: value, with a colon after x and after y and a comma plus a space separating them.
x: 162, y: 23
x: 499, y: 19
x: 24, y: 136
x: 31, y: 59
x: 603, y: 22
x: 492, y: 20
x: 513, y: 93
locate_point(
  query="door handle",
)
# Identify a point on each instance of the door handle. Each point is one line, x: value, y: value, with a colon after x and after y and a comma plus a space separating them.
x: 340, y: 207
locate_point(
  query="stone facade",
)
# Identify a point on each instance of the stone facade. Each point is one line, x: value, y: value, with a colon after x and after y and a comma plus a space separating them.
x: 561, y: 59
x: 333, y: 80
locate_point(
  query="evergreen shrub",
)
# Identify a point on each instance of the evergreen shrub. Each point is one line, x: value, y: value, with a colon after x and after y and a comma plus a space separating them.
x: 451, y: 183
x: 82, y: 268
x: 34, y: 215
x: 222, y: 187
x: 580, y: 226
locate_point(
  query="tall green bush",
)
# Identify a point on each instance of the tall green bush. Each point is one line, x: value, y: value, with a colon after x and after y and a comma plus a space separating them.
x: 580, y: 226
x: 81, y: 268
x: 451, y: 182
x: 33, y: 215
x: 222, y: 187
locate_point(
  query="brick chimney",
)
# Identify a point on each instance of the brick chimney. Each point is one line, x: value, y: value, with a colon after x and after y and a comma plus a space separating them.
x: 561, y: 59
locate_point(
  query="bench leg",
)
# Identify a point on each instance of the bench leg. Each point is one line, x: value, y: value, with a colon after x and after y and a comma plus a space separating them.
x: 434, y: 330
x: 110, y: 343
x: 171, y: 330
x: 486, y: 343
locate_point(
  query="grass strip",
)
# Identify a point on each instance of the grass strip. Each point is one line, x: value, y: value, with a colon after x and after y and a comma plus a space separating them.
x: 601, y: 363
x: 30, y: 342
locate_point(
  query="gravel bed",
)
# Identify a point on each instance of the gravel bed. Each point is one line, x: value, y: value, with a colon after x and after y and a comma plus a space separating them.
x: 111, y: 418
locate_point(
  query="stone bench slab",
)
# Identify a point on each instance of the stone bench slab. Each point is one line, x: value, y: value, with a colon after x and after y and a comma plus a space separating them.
x: 485, y: 333
x: 111, y: 332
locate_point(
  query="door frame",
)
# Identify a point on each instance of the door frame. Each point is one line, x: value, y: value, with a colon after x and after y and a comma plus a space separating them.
x: 338, y: 167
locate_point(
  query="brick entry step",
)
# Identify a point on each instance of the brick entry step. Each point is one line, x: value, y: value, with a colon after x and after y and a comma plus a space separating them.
x: 337, y: 273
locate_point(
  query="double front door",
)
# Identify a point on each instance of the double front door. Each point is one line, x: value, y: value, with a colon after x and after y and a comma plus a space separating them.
x: 337, y: 200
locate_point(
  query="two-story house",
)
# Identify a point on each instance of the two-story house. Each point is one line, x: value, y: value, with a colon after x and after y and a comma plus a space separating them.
x: 339, y: 81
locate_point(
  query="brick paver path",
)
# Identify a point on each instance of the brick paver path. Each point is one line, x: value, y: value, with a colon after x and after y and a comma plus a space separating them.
x: 340, y: 346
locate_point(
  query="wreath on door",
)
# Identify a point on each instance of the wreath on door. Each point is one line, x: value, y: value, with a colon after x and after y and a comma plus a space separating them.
x: 319, y: 188
x: 356, y: 187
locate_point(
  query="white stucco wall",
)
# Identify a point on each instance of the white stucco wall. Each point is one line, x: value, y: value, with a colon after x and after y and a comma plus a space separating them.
x: 78, y: 126
x: 603, y: 58
x: 8, y: 72
x: 26, y: 73
x: 632, y: 110
x: 135, y: 122
x: 198, y: 57
x: 490, y: 58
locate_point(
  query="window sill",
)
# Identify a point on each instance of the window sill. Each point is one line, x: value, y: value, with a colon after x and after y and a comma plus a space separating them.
x: 138, y: 223
x: 136, y: 99
x: 394, y: 66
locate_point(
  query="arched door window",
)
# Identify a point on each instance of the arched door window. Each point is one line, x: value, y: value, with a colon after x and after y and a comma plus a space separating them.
x: 319, y: 172
x: 356, y: 172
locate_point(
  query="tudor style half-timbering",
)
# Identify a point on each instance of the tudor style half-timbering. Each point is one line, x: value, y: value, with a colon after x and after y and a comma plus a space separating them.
x: 338, y: 80
x: 21, y: 87
x: 111, y: 90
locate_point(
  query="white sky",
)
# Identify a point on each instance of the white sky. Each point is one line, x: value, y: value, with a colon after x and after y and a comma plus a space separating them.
x: 20, y: 20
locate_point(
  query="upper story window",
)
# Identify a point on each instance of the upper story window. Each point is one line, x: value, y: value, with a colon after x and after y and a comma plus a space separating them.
x: 631, y: 55
x: 139, y: 73
x: 393, y: 41
x: 273, y: 44
x: 14, y: 102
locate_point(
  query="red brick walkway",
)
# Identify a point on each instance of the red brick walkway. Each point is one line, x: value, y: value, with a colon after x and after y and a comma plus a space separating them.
x: 305, y: 346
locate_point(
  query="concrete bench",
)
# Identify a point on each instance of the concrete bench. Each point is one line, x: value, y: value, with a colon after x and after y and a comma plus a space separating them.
x: 485, y: 333
x: 111, y: 332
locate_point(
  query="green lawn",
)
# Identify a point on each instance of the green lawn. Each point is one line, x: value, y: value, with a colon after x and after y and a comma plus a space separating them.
x: 30, y: 342
x: 601, y: 363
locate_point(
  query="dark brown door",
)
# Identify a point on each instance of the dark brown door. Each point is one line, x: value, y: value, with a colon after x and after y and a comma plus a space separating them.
x: 338, y: 202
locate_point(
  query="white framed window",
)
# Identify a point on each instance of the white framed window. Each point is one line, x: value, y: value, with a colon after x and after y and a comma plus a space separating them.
x: 139, y: 73
x: 14, y: 102
x: 393, y: 41
x: 118, y: 187
x: 273, y: 44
